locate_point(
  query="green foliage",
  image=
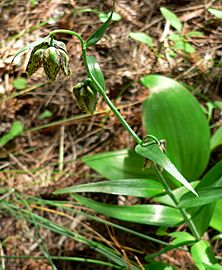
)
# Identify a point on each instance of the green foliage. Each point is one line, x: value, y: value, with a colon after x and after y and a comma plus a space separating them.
x: 170, y: 114
x: 45, y: 114
x: 103, y: 17
x: 144, y: 188
x: 217, y: 13
x: 95, y: 71
x: 122, y: 164
x: 172, y: 18
x: 203, y: 256
x: 20, y: 83
x: 15, y: 130
x: 158, y: 215
x: 98, y: 34
x: 216, y: 140
x: 142, y: 37
x: 153, y: 153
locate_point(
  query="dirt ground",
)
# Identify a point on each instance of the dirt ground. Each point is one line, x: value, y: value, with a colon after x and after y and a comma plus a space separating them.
x: 47, y: 155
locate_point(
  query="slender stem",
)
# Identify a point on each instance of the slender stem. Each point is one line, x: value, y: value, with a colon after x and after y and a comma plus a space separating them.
x: 69, y: 32
x: 182, y: 210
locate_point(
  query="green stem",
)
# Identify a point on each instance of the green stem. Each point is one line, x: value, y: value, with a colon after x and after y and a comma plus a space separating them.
x: 182, y: 210
x: 69, y: 32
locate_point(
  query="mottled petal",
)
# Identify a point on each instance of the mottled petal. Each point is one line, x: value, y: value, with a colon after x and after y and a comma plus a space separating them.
x: 51, y: 62
x: 35, y: 61
x: 65, y: 63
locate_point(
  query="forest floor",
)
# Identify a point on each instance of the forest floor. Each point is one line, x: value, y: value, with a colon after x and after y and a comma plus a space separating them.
x: 56, y: 134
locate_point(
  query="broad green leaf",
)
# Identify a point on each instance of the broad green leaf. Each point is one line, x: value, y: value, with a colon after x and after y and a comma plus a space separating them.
x: 142, y: 37
x: 159, y: 266
x: 122, y: 164
x: 206, y: 195
x: 29, y: 46
x: 128, y: 187
x: 195, y: 34
x: 203, y: 254
x: 16, y: 130
x: 172, y: 113
x: 105, y: 16
x: 216, y: 140
x: 184, y: 46
x: 97, y: 35
x: 20, y: 83
x: 172, y: 18
x: 95, y: 71
x: 157, y: 215
x: 153, y: 153
x: 217, y: 13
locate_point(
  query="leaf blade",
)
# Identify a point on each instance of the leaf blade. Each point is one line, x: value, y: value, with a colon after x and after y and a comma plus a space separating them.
x: 143, y: 188
x: 172, y: 18
x: 97, y: 35
x: 95, y: 71
x: 157, y: 215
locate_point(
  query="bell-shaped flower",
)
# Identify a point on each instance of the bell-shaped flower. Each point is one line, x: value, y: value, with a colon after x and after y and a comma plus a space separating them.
x: 86, y: 97
x: 52, y: 57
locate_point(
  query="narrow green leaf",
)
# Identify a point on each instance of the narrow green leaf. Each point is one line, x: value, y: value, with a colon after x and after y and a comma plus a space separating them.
x: 128, y: 187
x: 216, y: 140
x: 97, y: 35
x: 202, y: 253
x: 217, y: 13
x: 206, y: 195
x: 122, y: 164
x: 153, y: 153
x: 143, y: 38
x: 95, y: 71
x: 157, y: 215
x: 29, y: 46
x: 167, y: 115
x: 172, y: 18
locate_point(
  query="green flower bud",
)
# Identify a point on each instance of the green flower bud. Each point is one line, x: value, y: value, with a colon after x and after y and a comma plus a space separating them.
x: 52, y: 57
x: 86, y: 97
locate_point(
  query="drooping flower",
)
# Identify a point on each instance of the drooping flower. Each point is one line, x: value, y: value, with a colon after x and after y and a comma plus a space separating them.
x: 86, y: 97
x: 52, y: 57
